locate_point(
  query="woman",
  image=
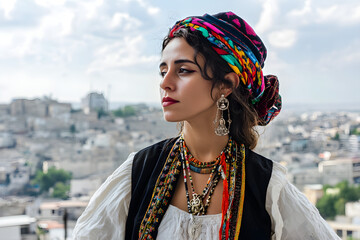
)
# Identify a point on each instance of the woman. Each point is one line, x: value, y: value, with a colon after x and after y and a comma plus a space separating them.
x: 206, y: 183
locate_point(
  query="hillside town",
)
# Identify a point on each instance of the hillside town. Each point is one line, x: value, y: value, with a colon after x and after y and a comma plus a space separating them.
x: 39, y: 136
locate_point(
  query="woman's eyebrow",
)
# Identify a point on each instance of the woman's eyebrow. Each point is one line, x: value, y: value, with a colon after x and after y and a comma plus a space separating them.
x: 177, y: 62
x: 184, y: 61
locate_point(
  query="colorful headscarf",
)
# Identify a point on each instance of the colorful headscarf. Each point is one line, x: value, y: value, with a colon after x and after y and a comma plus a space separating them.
x: 237, y: 43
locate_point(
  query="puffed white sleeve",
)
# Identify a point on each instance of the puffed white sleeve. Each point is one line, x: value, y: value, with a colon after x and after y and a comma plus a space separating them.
x: 292, y: 215
x: 106, y: 214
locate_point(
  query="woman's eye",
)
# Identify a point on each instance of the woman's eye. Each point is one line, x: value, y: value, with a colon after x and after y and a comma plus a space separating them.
x: 162, y: 73
x: 183, y: 70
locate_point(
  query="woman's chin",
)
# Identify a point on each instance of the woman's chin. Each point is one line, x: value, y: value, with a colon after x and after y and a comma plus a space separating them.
x: 171, y: 118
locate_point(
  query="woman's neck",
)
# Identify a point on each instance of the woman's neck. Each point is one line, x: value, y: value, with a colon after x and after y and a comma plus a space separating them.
x: 202, y: 141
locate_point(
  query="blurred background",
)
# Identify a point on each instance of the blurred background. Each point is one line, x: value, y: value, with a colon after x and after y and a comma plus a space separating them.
x: 79, y: 91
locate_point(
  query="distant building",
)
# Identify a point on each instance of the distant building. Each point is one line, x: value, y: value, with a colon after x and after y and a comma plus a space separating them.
x: 313, y: 192
x: 34, y: 107
x: 19, y: 125
x: 54, y: 210
x: 94, y: 102
x: 7, y: 140
x: 299, y: 145
x: 51, y: 229
x: 4, y: 109
x: 17, y: 107
x: 56, y: 109
x: 345, y: 169
x: 85, y: 186
x: 13, y: 177
x: 40, y: 108
x: 304, y: 176
x: 17, y: 227
x: 331, y: 145
x: 348, y: 225
x: 352, y: 209
x: 353, y: 143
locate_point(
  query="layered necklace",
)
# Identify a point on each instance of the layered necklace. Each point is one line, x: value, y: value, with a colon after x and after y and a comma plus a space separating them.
x: 196, y: 205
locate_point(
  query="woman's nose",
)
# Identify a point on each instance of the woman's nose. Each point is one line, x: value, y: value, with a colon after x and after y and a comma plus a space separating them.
x: 167, y: 82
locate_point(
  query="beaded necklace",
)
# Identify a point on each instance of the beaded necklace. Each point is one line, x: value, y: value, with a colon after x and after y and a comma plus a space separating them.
x: 196, y: 205
x: 202, y: 167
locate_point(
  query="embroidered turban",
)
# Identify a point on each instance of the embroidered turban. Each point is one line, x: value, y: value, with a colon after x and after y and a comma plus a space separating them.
x: 237, y: 43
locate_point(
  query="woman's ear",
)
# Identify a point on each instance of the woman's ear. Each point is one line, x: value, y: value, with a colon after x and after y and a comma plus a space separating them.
x: 234, y: 79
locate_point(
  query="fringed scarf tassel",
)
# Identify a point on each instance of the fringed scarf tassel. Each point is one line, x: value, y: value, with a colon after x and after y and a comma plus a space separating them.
x: 225, y: 200
x: 232, y: 213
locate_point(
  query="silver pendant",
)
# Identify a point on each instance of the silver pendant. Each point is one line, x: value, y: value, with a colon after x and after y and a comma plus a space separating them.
x: 196, y: 204
x: 221, y: 130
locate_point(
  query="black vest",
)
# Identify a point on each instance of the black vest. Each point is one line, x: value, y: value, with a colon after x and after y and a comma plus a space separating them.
x: 148, y: 163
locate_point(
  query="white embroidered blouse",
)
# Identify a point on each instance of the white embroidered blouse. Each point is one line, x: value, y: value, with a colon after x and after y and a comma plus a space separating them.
x: 292, y: 215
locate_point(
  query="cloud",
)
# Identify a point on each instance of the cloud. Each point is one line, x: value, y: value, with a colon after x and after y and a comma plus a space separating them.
x: 91, y: 7
x: 301, y: 12
x: 14, y: 44
x: 5, y: 40
x: 7, y: 6
x: 343, y: 14
x: 339, y: 59
x: 283, y: 38
x: 275, y: 64
x: 52, y: 3
x: 269, y: 10
x: 320, y: 13
x: 120, y: 54
x: 151, y: 10
x: 125, y: 21
x: 57, y: 24
x: 64, y: 28
x: 36, y: 40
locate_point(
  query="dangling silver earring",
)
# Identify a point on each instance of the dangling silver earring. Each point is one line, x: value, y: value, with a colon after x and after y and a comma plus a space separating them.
x: 222, y: 105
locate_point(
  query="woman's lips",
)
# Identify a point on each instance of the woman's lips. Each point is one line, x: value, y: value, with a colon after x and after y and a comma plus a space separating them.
x: 167, y: 101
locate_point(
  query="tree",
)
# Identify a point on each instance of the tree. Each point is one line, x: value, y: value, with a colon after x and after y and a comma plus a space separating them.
x: 331, y: 205
x: 118, y: 112
x: 61, y: 190
x: 49, y: 179
x: 326, y: 206
x: 129, y: 111
x: 340, y: 206
x: 349, y: 193
x: 126, y: 111
x: 355, y: 131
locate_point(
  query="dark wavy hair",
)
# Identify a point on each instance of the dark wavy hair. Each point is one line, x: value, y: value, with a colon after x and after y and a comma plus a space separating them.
x: 243, y: 115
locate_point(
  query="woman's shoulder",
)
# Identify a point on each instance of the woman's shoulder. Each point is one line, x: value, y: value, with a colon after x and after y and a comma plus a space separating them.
x: 150, y: 154
x: 258, y: 161
x: 98, y: 221
x: 157, y: 146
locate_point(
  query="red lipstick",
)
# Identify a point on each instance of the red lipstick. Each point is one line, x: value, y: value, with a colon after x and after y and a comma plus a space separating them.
x: 167, y: 101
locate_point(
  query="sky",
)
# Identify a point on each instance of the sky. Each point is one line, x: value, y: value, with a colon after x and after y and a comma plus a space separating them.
x: 66, y: 48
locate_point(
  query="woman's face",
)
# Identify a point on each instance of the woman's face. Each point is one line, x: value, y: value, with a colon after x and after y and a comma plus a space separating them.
x: 185, y: 93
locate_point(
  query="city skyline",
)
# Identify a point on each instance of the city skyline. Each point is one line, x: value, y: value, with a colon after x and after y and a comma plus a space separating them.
x: 66, y: 48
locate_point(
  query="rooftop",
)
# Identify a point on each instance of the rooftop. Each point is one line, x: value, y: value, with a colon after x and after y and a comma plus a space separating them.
x: 18, y: 220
